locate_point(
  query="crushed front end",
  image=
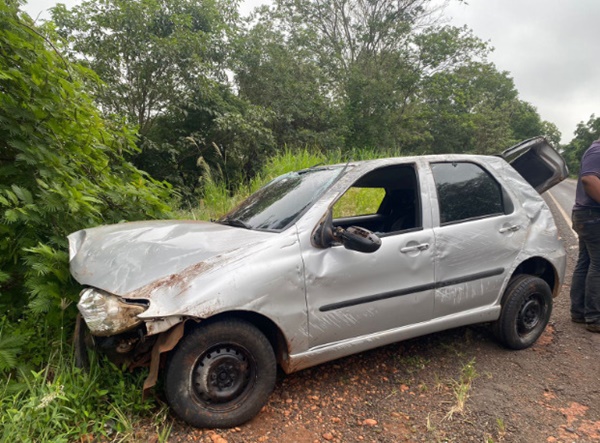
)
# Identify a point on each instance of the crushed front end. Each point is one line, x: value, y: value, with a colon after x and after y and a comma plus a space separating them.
x: 110, y: 325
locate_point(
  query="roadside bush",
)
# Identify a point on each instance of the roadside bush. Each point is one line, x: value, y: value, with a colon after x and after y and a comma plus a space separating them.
x: 61, y: 169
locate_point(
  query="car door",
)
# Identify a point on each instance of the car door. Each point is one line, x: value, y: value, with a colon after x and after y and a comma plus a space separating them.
x: 352, y: 294
x: 479, y: 235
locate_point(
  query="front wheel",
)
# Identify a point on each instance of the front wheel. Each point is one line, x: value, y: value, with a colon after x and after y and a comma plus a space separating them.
x: 526, y: 309
x: 220, y: 375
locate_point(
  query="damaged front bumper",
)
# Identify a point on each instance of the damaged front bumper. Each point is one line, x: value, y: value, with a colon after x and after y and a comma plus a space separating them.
x: 110, y: 325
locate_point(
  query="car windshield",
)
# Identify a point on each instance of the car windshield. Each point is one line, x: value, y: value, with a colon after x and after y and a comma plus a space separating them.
x: 281, y: 202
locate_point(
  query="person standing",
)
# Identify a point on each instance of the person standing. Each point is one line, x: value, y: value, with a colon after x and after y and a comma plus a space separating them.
x: 585, y: 287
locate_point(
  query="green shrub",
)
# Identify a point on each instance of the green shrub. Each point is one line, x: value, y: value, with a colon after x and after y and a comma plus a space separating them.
x: 61, y: 169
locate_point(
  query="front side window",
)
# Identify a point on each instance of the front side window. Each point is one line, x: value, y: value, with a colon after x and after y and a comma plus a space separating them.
x: 466, y: 191
x: 384, y: 201
x: 359, y: 201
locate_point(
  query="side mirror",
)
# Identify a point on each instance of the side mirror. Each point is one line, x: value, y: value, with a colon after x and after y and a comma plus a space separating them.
x: 323, y: 236
x: 358, y: 239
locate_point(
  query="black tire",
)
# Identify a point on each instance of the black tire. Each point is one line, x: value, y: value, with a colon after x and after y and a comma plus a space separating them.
x: 526, y: 310
x: 220, y: 375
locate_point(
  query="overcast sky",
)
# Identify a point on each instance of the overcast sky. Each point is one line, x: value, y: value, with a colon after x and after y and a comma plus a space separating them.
x: 549, y: 47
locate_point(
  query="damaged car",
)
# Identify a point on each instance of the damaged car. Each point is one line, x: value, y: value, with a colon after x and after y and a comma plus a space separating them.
x: 299, y: 274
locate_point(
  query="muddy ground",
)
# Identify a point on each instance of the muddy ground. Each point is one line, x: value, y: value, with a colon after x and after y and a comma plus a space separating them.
x: 455, y: 386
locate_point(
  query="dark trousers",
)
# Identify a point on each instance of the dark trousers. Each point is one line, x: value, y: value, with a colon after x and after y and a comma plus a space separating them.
x: 585, y: 287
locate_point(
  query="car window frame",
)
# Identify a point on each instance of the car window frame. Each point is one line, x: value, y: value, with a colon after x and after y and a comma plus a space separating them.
x: 419, y: 207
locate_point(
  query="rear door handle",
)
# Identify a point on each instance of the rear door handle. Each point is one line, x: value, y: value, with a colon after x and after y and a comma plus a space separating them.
x: 421, y: 247
x: 514, y: 228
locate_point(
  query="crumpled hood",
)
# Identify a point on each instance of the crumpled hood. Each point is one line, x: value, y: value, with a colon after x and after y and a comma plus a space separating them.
x: 124, y: 257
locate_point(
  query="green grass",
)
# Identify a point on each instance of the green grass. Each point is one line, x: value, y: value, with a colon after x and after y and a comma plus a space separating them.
x: 358, y: 201
x: 462, y: 388
x: 62, y: 403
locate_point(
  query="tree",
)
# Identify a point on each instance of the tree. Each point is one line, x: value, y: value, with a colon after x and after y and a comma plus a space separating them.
x: 61, y: 169
x: 525, y: 121
x: 341, y: 32
x: 278, y: 75
x: 163, y: 66
x: 414, y: 88
x: 385, y: 74
x: 551, y: 132
x: 585, y: 134
x: 215, y: 135
x: 475, y: 108
x: 148, y: 53
x: 369, y: 54
x: 371, y: 64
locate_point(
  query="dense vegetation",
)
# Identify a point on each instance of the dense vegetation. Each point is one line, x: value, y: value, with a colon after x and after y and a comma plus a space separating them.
x: 585, y: 134
x: 213, y: 93
x: 124, y: 109
x: 61, y: 169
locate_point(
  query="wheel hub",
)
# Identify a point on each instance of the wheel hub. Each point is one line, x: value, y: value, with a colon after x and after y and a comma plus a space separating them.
x: 530, y: 315
x: 222, y: 374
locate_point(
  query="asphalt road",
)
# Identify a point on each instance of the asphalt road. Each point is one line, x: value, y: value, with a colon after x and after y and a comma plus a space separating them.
x: 563, y: 196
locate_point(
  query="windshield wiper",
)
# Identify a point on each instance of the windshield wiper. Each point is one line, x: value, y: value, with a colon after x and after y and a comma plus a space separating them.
x: 235, y: 222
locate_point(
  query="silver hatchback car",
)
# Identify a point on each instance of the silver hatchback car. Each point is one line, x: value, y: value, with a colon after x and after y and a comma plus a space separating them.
x: 296, y: 276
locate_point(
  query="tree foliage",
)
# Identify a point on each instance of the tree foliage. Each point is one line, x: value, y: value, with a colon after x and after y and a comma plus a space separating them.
x: 147, y: 52
x: 214, y: 96
x: 163, y: 67
x: 61, y: 168
x: 381, y: 74
x: 289, y: 82
x: 213, y: 136
x: 585, y: 134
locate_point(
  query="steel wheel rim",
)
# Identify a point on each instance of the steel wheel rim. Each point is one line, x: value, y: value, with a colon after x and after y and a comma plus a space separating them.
x: 530, y: 314
x: 223, y: 375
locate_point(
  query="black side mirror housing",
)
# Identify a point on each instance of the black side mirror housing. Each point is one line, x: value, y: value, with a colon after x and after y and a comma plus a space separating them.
x: 358, y: 239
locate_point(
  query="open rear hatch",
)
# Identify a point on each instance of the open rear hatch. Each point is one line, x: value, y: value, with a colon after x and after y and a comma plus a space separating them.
x: 538, y: 162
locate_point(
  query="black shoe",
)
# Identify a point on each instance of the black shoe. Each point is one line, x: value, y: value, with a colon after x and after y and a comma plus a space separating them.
x: 593, y: 327
x: 578, y: 319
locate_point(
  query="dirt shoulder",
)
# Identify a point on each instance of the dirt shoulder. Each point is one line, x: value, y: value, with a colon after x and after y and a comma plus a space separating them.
x: 455, y: 386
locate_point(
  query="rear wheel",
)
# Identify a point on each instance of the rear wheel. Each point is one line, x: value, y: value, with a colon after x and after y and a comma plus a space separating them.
x: 526, y: 309
x: 221, y: 374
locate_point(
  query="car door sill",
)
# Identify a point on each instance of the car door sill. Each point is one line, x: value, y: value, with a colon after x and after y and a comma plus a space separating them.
x: 323, y: 353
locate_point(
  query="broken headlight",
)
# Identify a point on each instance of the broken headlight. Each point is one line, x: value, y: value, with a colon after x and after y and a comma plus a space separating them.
x: 106, y: 314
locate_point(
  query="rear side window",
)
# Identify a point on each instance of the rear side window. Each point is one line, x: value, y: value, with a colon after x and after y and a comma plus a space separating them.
x: 466, y: 191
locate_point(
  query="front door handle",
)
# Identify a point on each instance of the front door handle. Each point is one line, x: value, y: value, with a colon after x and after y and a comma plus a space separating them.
x: 513, y: 228
x: 421, y: 247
